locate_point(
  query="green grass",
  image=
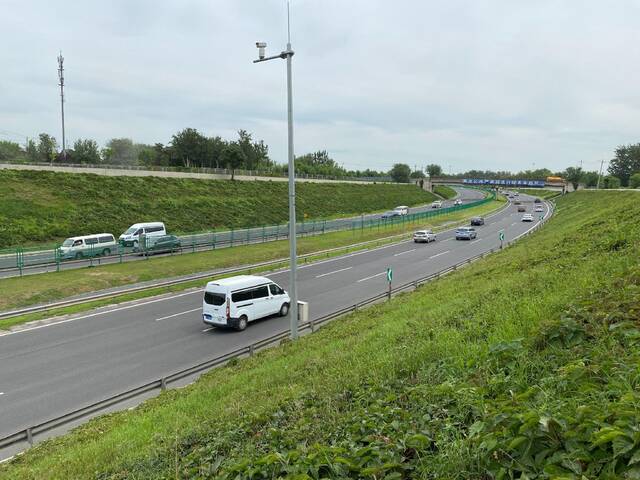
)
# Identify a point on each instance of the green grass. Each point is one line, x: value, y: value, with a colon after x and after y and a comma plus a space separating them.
x: 542, y: 193
x: 48, y: 287
x: 37, y: 207
x: 523, y: 365
x: 444, y: 191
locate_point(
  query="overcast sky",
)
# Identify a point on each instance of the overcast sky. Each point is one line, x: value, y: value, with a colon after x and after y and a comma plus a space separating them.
x: 466, y: 84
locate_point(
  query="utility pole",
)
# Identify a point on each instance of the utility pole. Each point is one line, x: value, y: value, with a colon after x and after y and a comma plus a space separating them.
x: 599, y: 175
x: 61, y: 84
x: 293, y: 261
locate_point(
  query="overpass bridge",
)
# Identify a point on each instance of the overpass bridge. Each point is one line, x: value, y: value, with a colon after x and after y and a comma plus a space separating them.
x: 429, y: 183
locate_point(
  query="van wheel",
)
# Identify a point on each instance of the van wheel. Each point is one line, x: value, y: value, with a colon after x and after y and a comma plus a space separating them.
x: 79, y: 255
x: 242, y: 323
x: 284, y: 309
x: 106, y: 252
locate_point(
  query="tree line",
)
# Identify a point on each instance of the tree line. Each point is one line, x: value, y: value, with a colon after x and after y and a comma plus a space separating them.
x: 187, y: 149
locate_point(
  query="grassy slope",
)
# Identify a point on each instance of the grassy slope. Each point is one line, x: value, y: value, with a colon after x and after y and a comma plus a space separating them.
x: 524, y: 362
x: 38, y: 207
x: 444, y: 191
x: 47, y: 287
x: 546, y: 194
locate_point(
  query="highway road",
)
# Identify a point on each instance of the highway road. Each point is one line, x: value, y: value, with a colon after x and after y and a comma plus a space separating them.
x: 44, y: 260
x: 49, y: 370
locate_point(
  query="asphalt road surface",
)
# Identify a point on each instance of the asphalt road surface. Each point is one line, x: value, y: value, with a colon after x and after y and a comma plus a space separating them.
x: 44, y: 261
x: 50, y: 370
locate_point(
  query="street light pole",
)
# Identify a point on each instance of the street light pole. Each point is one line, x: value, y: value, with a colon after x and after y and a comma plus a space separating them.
x: 293, y: 262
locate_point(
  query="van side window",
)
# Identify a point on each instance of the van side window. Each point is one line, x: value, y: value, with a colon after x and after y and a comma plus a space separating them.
x: 275, y: 289
x: 153, y: 229
x: 241, y: 296
x: 106, y: 239
x: 260, y: 292
x: 91, y: 241
x: 77, y: 243
x: 138, y: 232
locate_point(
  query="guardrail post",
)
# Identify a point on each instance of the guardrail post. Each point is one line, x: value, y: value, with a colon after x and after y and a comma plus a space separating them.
x: 263, y: 234
x: 251, y: 350
x: 29, y: 435
x: 231, y: 240
x: 163, y: 384
x: 56, y: 254
x: 120, y: 250
x: 248, y: 236
x: 20, y: 259
x: 324, y: 224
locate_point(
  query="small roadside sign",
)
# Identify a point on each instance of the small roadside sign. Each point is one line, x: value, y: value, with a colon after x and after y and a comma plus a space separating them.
x: 389, y: 275
x: 541, y: 217
x: 501, y: 236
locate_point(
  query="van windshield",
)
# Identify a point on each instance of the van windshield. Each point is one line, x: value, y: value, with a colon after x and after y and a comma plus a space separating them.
x: 214, y: 298
x: 68, y: 242
x: 130, y: 231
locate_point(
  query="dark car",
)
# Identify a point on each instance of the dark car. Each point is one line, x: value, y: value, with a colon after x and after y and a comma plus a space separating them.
x: 522, y: 208
x: 477, y: 221
x: 162, y: 243
x: 537, y: 200
x: 390, y: 214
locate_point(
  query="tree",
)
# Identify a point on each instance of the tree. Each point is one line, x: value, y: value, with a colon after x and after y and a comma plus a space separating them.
x: 417, y: 174
x: 32, y: 151
x: 85, y: 151
x: 625, y: 163
x: 47, y: 148
x: 233, y: 157
x: 611, y: 182
x: 400, y: 173
x: 574, y: 175
x: 120, y: 151
x: 189, y: 147
x: 11, y: 152
x: 634, y: 180
x: 434, y: 170
x: 590, y: 179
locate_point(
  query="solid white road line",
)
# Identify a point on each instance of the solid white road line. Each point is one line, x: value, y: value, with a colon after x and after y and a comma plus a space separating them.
x: 335, y: 271
x: 208, y: 329
x: 447, y: 240
x: 438, y: 254
x: 402, y: 253
x: 372, y: 276
x: 37, y: 327
x: 1, y: 393
x: 177, y: 314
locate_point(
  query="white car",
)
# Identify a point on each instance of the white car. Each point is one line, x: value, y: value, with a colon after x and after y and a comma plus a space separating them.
x: 457, y: 202
x: 425, y: 236
x: 436, y: 204
x: 539, y: 208
x: 527, y: 217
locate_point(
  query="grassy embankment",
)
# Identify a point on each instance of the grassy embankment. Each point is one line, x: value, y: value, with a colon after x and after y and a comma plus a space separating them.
x: 542, y: 193
x: 523, y: 365
x: 37, y: 207
x: 444, y: 191
x: 47, y: 287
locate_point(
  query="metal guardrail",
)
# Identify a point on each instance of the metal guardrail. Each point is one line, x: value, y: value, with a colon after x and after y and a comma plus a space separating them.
x: 202, y: 170
x: 27, y: 435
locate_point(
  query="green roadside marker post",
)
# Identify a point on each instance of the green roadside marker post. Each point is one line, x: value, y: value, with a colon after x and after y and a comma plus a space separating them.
x: 541, y: 217
x: 501, y: 237
x: 389, y: 278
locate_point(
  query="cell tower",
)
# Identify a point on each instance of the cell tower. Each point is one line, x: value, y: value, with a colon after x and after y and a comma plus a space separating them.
x: 61, y: 84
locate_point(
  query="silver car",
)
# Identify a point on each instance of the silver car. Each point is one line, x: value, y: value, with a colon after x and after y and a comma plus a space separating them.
x: 424, y: 236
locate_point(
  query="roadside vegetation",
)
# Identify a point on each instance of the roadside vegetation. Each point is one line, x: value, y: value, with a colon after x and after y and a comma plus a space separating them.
x: 523, y: 365
x: 47, y: 287
x: 444, y: 191
x: 37, y: 207
x: 538, y: 192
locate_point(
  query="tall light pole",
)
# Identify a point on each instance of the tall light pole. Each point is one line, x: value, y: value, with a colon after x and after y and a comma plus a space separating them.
x: 287, y: 55
x: 599, y: 175
x: 61, y: 84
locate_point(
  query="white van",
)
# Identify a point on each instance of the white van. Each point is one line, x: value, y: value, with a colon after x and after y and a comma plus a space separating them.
x: 402, y: 210
x: 131, y: 238
x: 88, y: 246
x: 236, y: 301
x: 436, y: 204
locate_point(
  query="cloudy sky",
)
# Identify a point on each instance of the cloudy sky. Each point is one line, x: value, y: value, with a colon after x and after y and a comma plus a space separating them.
x: 466, y: 84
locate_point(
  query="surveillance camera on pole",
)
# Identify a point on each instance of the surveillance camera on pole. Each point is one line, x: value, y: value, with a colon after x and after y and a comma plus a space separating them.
x: 261, y: 46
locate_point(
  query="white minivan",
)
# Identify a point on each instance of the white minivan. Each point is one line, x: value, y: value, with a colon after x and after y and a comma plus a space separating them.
x: 88, y: 246
x: 402, y: 210
x: 131, y: 238
x: 236, y: 301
